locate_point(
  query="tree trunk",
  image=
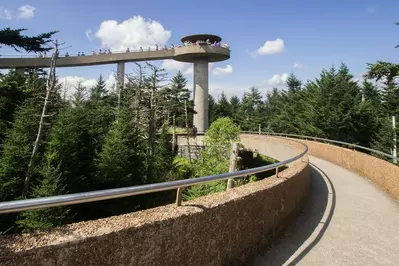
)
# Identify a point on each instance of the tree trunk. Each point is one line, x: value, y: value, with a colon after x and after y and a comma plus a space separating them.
x: 187, y: 131
x: 174, y: 133
x: 50, y: 84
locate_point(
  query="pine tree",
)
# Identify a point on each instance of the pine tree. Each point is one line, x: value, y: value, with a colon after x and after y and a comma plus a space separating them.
x: 251, y: 117
x: 235, y: 109
x: 163, y: 156
x: 223, y: 108
x: 49, y: 184
x: 370, y: 93
x: 15, y: 39
x: 338, y: 96
x: 212, y: 105
x: 11, y: 95
x: 176, y: 95
x: 101, y: 113
x: 19, y: 142
x: 18, y: 145
x: 293, y: 84
x: 73, y: 143
x: 121, y: 161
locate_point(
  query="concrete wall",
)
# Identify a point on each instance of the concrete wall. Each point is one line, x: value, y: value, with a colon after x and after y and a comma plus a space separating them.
x: 380, y: 172
x: 219, y: 229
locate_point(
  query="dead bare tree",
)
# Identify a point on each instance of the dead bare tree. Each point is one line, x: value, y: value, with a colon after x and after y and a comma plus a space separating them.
x: 187, y: 131
x: 155, y: 86
x: 50, y: 86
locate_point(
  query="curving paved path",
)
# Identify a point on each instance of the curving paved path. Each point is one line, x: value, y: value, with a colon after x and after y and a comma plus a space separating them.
x: 347, y: 221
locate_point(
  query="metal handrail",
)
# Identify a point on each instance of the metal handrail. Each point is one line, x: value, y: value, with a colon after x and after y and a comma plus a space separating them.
x: 326, y: 140
x: 76, y: 198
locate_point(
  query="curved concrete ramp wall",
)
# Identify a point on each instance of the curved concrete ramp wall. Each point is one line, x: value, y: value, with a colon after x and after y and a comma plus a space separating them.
x: 219, y: 229
x: 380, y: 172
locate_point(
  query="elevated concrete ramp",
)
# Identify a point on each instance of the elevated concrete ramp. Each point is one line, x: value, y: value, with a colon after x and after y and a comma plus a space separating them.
x: 348, y: 221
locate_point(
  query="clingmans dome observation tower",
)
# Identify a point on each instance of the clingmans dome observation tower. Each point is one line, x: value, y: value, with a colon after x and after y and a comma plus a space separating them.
x: 199, y: 49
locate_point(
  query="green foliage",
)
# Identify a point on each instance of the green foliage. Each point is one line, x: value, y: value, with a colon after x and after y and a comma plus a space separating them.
x: 223, y: 108
x: 121, y: 160
x: 49, y: 184
x: 15, y: 39
x: 71, y: 139
x: 175, y: 95
x: 181, y: 169
x: 215, y: 159
x: 19, y: 141
x: 163, y: 157
x: 11, y: 95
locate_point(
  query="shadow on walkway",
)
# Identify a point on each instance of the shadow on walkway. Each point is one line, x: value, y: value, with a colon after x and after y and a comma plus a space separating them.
x: 308, y: 228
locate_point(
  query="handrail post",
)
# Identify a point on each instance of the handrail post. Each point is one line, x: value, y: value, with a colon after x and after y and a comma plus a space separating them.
x: 277, y: 171
x: 259, y: 128
x: 179, y: 195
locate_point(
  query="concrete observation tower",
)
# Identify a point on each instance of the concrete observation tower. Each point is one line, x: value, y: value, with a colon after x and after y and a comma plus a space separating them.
x: 201, y: 55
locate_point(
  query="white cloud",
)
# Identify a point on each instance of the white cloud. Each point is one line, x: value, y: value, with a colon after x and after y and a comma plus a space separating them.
x: 272, y: 47
x: 189, y: 71
x: 297, y: 65
x: 132, y: 33
x: 89, y: 35
x: 277, y: 79
x: 173, y: 65
x: 371, y: 9
x: 5, y: 13
x: 26, y: 12
x: 223, y: 71
x: 69, y: 83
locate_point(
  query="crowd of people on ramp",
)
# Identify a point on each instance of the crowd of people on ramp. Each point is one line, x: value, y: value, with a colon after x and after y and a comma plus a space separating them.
x: 156, y: 48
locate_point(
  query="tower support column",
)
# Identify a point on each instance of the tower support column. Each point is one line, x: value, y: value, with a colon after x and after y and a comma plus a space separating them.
x: 201, y: 84
x: 120, y: 76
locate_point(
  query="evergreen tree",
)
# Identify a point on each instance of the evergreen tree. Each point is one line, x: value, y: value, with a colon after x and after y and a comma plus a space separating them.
x: 370, y: 93
x: 235, y: 108
x: 15, y: 39
x: 212, y: 105
x: 18, y: 145
x: 101, y: 113
x: 19, y: 141
x: 164, y: 156
x: 121, y: 161
x: 49, y: 184
x: 176, y: 95
x: 223, y: 108
x: 293, y: 83
x: 11, y: 95
x: 251, y: 117
x: 335, y: 104
x: 73, y: 143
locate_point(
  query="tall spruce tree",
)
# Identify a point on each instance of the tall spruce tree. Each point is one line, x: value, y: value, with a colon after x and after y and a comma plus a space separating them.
x: 176, y: 94
x: 49, y: 183
x: 223, y: 108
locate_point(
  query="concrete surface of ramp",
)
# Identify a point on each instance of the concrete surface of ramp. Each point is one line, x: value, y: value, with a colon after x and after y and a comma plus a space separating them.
x: 347, y: 221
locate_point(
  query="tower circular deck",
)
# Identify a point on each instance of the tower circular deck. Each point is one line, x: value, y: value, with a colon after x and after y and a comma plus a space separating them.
x: 192, y: 53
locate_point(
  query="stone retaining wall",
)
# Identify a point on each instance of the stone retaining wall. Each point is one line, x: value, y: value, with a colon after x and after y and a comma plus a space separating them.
x: 219, y: 229
x: 380, y: 172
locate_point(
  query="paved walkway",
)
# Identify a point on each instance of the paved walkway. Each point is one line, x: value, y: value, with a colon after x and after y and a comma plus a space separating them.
x: 348, y: 221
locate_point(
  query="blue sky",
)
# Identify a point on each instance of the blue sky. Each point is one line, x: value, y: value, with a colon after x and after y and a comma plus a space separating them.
x: 314, y: 34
